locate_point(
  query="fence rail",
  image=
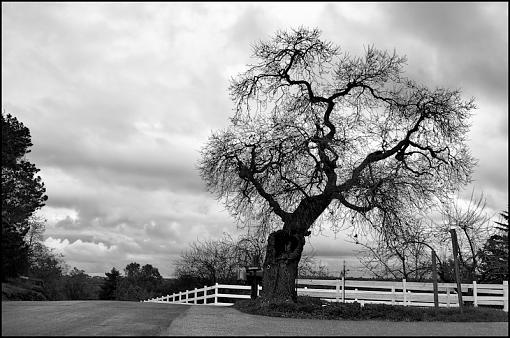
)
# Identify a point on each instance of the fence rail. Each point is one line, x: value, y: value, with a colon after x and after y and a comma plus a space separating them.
x: 394, y: 293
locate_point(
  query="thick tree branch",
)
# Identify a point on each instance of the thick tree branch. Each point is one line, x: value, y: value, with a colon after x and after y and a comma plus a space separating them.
x: 245, y: 173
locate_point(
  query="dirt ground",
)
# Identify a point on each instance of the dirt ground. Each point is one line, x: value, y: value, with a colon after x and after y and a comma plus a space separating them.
x: 114, y: 318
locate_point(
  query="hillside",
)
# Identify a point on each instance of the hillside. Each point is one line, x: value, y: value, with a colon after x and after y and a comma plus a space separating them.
x: 21, y: 289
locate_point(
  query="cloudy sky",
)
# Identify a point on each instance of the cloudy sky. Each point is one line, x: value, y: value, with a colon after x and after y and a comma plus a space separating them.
x: 120, y: 97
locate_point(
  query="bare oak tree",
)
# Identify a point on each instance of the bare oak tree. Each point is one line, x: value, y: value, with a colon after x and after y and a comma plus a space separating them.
x: 409, y: 254
x: 320, y: 135
x: 209, y: 261
x: 473, y: 225
x: 219, y: 260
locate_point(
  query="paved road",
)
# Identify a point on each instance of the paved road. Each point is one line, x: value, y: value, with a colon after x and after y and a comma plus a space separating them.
x: 128, y: 318
x: 88, y: 318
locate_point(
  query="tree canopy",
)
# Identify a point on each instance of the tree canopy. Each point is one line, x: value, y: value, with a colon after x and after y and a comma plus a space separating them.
x: 140, y: 282
x: 315, y: 127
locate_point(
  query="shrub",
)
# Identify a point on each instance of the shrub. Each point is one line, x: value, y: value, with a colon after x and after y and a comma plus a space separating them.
x: 308, y: 307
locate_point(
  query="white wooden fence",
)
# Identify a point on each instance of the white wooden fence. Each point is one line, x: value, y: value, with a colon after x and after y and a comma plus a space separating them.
x: 394, y: 293
x: 208, y: 295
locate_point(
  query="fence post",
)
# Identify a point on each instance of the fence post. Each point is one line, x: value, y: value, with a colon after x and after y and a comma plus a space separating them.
x: 196, y: 295
x: 205, y: 294
x: 393, y: 295
x: 505, y: 295
x: 409, y: 298
x: 404, y: 291
x: 475, y: 294
x: 434, y: 280
x: 355, y: 294
x: 455, y: 245
x: 447, y: 296
x: 180, y: 296
x: 187, y: 293
x: 337, y: 290
x: 343, y: 289
x: 216, y: 294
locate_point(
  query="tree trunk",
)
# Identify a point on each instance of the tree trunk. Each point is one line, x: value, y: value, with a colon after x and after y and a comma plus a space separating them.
x: 281, y: 266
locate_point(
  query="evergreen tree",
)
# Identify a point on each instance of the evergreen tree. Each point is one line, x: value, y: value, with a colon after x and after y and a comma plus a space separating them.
x: 494, y: 255
x: 109, y: 288
x: 22, y: 193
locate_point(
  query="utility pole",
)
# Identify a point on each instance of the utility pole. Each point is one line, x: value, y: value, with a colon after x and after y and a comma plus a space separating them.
x: 434, y: 280
x: 455, y: 246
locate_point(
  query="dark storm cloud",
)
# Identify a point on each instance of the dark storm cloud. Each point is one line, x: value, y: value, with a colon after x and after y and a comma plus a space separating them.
x: 249, y: 28
x: 467, y: 37
x: 449, y: 44
x: 140, y: 170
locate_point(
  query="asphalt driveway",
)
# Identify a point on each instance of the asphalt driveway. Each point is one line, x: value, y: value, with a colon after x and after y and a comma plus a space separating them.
x: 225, y: 321
x: 88, y: 318
x: 114, y: 318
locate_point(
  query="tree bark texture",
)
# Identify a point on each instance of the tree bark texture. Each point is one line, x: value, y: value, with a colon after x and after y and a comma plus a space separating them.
x: 281, y: 266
